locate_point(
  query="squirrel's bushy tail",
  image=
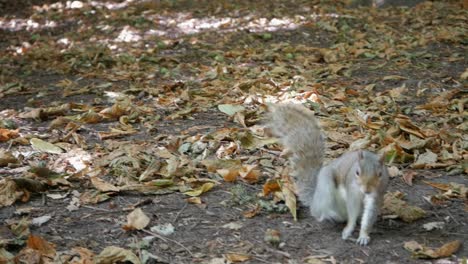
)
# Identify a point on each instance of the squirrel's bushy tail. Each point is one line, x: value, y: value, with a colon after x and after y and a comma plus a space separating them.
x: 299, y: 132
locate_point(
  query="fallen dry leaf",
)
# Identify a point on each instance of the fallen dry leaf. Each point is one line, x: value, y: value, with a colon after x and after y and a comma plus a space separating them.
x: 200, y: 190
x: 229, y: 175
x: 420, y: 251
x: 114, y: 254
x: 289, y: 196
x: 102, y: 185
x: 42, y: 246
x: 408, y: 177
x: 6, y: 157
x: 236, y: 257
x: 394, y: 205
x: 249, y: 173
x: 7, y: 134
x: 137, y: 219
x: 270, y: 187
x: 8, y: 193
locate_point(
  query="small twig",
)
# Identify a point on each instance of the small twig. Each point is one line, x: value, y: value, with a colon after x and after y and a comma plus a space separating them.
x: 451, y: 233
x: 456, y: 221
x: 279, y: 252
x: 165, y: 239
x: 261, y: 260
x: 177, y: 215
x: 97, y: 208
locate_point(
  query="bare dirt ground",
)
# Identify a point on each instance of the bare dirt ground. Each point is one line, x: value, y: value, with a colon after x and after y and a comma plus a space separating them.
x: 206, y: 232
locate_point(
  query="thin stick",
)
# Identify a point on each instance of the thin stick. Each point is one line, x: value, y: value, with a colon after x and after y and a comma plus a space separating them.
x: 177, y: 215
x: 165, y: 239
x: 97, y: 208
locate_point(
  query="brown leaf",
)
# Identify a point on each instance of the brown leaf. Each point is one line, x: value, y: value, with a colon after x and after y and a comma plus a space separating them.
x: 194, y: 200
x: 114, y: 254
x: 394, y: 205
x: 137, y: 219
x: 421, y: 251
x: 86, y: 255
x: 253, y: 212
x: 271, y: 186
x: 249, y: 173
x: 289, y: 196
x: 90, y: 117
x: 7, y: 192
x: 115, y: 111
x: 406, y: 125
x: 7, y: 134
x: 6, y: 157
x: 229, y: 175
x: 408, y: 177
x: 41, y: 245
x: 103, y: 186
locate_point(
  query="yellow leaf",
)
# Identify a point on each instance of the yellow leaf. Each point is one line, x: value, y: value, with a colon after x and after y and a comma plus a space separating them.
x: 229, y: 175
x: 200, y: 190
x: 114, y: 254
x: 194, y: 200
x: 236, y: 257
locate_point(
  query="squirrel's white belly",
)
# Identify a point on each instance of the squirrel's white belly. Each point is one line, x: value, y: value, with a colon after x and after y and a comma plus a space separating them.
x: 340, y: 200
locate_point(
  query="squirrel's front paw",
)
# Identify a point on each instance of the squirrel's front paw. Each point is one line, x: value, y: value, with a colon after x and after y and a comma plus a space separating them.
x: 363, y: 239
x: 347, y: 231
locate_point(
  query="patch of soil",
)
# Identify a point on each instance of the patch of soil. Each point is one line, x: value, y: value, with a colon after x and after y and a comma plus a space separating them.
x: 201, y: 233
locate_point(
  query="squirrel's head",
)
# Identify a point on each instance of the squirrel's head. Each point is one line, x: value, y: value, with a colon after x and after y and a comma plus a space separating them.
x: 369, y: 172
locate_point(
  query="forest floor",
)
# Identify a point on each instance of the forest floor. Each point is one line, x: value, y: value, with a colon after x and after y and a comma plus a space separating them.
x: 108, y: 108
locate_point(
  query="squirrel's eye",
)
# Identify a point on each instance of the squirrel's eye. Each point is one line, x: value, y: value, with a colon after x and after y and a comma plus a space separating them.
x: 357, y: 173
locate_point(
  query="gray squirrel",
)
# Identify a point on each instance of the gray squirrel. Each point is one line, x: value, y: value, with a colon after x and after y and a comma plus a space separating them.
x: 347, y: 188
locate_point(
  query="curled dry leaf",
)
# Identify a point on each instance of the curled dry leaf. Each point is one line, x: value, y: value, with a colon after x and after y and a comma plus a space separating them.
x: 45, y: 248
x: 114, y: 254
x: 115, y: 111
x: 7, y: 192
x: 230, y: 109
x: 289, y: 196
x: 249, y: 173
x: 236, y: 257
x: 406, y: 125
x: 253, y: 212
x: 200, y: 190
x: 229, y: 175
x: 44, y: 146
x: 272, y: 236
x: 395, y: 205
x: 271, y: 186
x: 215, y: 164
x: 7, y: 134
x: 394, y: 171
x: 408, y: 177
x: 425, y: 160
x: 424, y: 252
x: 136, y: 220
x: 86, y: 255
x: 5, y: 256
x: 194, y: 200
x: 103, y: 186
x: 6, y: 157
